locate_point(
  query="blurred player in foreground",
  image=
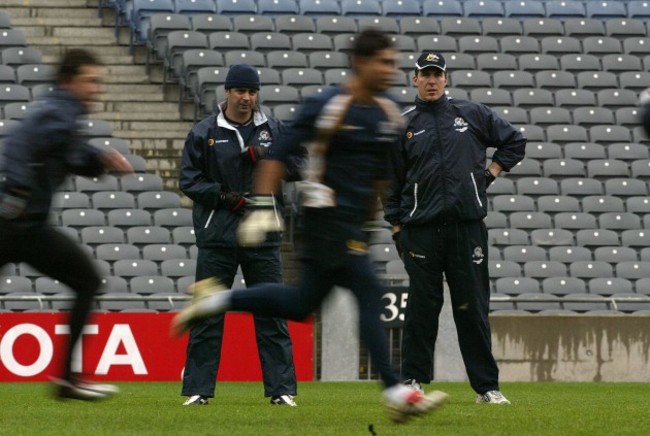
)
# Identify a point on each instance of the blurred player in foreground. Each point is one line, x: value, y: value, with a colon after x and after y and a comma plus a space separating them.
x: 350, y: 130
x: 39, y: 154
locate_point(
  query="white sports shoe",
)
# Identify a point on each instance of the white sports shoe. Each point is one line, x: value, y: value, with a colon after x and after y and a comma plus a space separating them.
x: 492, y: 397
x: 403, y: 402
x: 205, y: 303
x: 413, y: 383
x: 196, y: 400
x: 283, y: 400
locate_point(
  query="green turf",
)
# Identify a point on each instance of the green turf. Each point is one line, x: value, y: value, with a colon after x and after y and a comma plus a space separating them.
x: 328, y: 408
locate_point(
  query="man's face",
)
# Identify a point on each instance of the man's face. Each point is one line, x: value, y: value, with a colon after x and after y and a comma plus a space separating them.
x: 241, y: 101
x: 377, y: 72
x: 431, y: 83
x: 86, y: 86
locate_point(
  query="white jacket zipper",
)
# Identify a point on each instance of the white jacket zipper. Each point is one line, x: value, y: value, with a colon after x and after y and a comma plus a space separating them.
x: 478, y: 198
x: 415, y: 196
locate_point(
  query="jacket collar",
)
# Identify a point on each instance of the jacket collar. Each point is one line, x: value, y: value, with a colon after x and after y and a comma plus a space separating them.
x: 259, y: 117
x: 431, y: 105
x: 63, y: 95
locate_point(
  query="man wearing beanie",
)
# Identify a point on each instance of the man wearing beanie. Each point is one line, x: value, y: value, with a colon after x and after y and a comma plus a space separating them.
x: 220, y: 155
x: 436, y: 205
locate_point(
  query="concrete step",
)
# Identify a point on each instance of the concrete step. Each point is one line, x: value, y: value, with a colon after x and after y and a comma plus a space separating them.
x: 138, y: 116
x: 26, y: 22
x: 69, y: 13
x: 145, y: 127
x: 89, y: 33
x: 150, y: 97
x: 162, y: 133
x: 72, y: 41
x: 131, y: 89
x: 106, y: 60
x: 52, y: 52
x: 45, y: 3
x: 135, y: 106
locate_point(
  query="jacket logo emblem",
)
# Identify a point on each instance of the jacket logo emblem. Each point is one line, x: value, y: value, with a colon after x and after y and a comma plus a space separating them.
x: 265, y: 135
x: 432, y: 58
x: 460, y: 125
x: 478, y: 256
x: 409, y: 135
x: 210, y: 142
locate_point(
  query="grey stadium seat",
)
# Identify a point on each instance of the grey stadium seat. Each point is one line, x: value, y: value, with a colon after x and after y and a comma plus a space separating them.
x: 148, y: 235
x: 527, y: 167
x: 581, y: 187
x: 569, y: 254
x: 563, y: 167
x: 530, y: 220
x: 113, y: 200
x: 544, y: 269
x: 542, y: 27
x: 543, y: 150
x: 102, y: 235
x: 286, y: 59
x: 135, y: 267
x: 538, y: 62
x: 513, y: 203
x: 621, y: 63
x: 592, y: 115
x: 323, y: 60
x: 607, y: 168
x: 545, y: 116
x: 158, y: 200
x: 588, y: 269
x: 524, y: 253
x: 602, y: 204
x: 513, y: 79
x: 584, y: 151
x: 103, y: 183
x: 178, y: 267
x: 558, y: 203
x: 292, y: 24
x: 610, y: 286
x: 615, y: 254
x: 113, y: 252
x: 583, y: 27
x: 628, y: 151
x: 619, y: 221
x: 551, y: 237
x: 516, y: 285
x: 155, y: 284
x: 575, y: 220
x: 335, y: 25
x: 636, y: 238
x: 597, y: 237
x: 625, y: 187
x: 82, y: 218
x: 161, y: 252
x: 504, y: 268
x: 632, y: 270
x: 184, y: 235
x: 638, y: 204
x: 563, y: 285
x: 173, y: 217
x: 507, y: 236
x: 128, y: 217
x: 208, y: 23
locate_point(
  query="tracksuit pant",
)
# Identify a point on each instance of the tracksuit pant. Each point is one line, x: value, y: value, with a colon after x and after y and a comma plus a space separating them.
x: 59, y: 257
x: 258, y: 265
x: 459, y: 250
x: 320, y: 273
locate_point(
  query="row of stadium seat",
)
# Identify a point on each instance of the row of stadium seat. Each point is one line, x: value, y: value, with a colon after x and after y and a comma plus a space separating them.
x: 406, y: 25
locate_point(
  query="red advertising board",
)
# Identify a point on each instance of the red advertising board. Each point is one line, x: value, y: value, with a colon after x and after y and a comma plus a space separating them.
x: 132, y: 347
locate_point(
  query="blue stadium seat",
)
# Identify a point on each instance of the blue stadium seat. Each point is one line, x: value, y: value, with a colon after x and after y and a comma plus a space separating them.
x: 564, y: 9
x: 524, y: 8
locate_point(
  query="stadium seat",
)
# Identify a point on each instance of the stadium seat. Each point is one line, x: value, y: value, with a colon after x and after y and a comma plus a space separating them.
x: 563, y: 167
x: 293, y: 24
x: 638, y: 9
x: 579, y: 62
x: 524, y: 9
x: 634, y: 80
x: 545, y: 116
x: 441, y: 8
x: 503, y: 268
x: 277, y: 8
x: 513, y: 80
x: 616, y: 98
x: 82, y: 218
x: 543, y: 150
x: 360, y: 7
x: 583, y: 27
x: 514, y: 115
x: 602, y: 204
x: 145, y: 235
x: 526, y: 167
x: 12, y: 38
x: 516, y: 285
x: 641, y: 169
x: 531, y: 98
x: 113, y: 252
x: 585, y: 116
x: 615, y: 254
x: 635, y: 238
x: 401, y: 9
x: 507, y: 236
x: 606, y: 168
x: 594, y: 81
x: 551, y: 237
x: 601, y: 45
x: 495, y: 220
x: 563, y: 286
x: 17, y: 56
x: 265, y: 42
x: 236, y: 7
x: 597, y: 237
x: 625, y: 187
x: 622, y: 63
x: 172, y: 217
x: 632, y: 270
x: 575, y: 220
x: 560, y: 45
x: 605, y: 9
x: 513, y: 203
x: 538, y: 62
x: 564, y: 9
x: 386, y: 24
x: 573, y: 98
x: 154, y: 284
x: 112, y: 200
x: 569, y: 254
x: 554, y: 80
x: 102, y: 235
x: 331, y: 26
x: 183, y: 235
x: 208, y: 23
x: 128, y: 218
x: 588, y: 269
x: 557, y: 203
x: 542, y: 27
x: 519, y: 45
x: 175, y: 268
x: 610, y: 286
x: 418, y: 26
x: 524, y: 253
x: 441, y: 43
x: 161, y: 252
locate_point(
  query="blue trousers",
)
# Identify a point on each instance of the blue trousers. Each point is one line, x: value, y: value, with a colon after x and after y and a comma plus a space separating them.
x: 273, y: 342
x: 355, y: 272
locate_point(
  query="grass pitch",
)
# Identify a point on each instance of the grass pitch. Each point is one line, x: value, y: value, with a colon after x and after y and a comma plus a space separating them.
x: 328, y: 409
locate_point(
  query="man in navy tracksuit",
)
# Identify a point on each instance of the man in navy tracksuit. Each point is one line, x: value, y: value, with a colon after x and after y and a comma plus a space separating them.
x: 350, y: 129
x: 39, y: 154
x: 436, y: 204
x: 217, y: 166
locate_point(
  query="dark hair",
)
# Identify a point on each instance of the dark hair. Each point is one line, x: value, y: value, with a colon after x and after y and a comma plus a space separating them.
x: 72, y: 62
x: 370, y: 41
